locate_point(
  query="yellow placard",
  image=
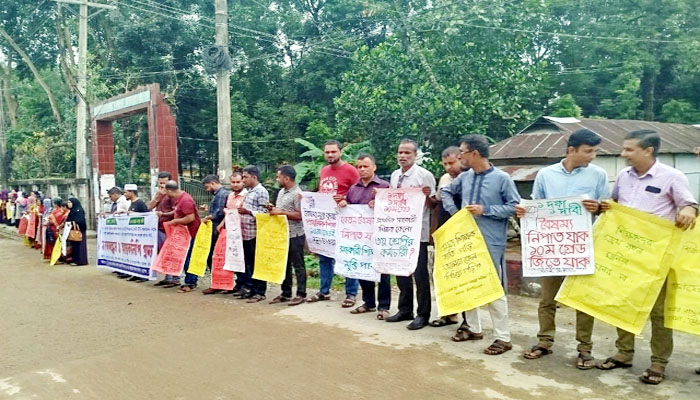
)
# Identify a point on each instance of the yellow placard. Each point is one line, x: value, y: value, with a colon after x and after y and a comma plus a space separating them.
x: 56, y: 252
x: 200, y: 249
x: 271, y: 247
x: 464, y: 274
x: 633, y: 254
x: 683, y: 286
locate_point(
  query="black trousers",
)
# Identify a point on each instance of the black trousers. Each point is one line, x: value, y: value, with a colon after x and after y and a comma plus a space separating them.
x: 255, y: 286
x: 214, y: 238
x: 422, y: 279
x: 384, y: 293
x: 295, y: 259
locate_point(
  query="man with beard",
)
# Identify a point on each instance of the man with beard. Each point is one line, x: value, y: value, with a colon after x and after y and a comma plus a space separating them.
x: 489, y: 194
x: 335, y: 178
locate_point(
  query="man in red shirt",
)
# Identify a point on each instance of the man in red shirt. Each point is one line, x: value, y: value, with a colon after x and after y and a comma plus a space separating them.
x: 336, y: 178
x: 185, y: 214
x: 165, y: 211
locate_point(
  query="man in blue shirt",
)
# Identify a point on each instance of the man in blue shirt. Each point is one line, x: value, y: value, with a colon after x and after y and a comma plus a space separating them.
x: 572, y: 176
x: 490, y: 196
x: 216, y: 210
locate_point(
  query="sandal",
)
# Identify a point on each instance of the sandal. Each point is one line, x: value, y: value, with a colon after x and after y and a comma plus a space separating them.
x: 585, y: 360
x: 537, y: 351
x: 348, y: 302
x: 652, y: 377
x: 186, y: 289
x: 362, y: 309
x: 280, y: 299
x: 383, y: 314
x: 498, y: 347
x: 443, y: 321
x: 256, y: 298
x: 170, y: 285
x: 464, y: 334
x: 611, y: 363
x: 319, y: 297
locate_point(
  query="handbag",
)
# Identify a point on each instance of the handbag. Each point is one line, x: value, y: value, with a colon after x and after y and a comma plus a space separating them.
x: 75, y: 235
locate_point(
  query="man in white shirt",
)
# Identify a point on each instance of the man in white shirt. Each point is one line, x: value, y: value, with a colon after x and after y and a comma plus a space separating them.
x: 411, y: 175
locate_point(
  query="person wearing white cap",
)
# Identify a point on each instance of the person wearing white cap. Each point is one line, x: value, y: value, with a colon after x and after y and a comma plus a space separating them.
x: 131, y: 193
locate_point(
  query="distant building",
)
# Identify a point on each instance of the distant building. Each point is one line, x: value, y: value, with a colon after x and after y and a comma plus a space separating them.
x: 544, y: 143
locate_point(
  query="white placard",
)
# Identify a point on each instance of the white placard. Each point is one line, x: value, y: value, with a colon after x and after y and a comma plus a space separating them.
x: 556, y: 237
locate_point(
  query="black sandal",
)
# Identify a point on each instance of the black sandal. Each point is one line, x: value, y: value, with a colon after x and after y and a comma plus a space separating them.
x: 443, y: 321
x: 652, y: 377
x: 615, y: 364
x: 583, y: 357
x: 543, y: 351
x: 318, y: 297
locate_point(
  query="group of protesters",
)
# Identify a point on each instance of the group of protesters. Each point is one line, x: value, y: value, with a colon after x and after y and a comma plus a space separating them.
x: 470, y: 182
x: 40, y: 220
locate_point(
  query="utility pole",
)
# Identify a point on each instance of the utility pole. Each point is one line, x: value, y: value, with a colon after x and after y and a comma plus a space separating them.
x: 3, y: 147
x: 223, y: 99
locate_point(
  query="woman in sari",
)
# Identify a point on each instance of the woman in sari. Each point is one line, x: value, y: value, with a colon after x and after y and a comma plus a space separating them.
x: 76, y: 216
x: 55, y: 219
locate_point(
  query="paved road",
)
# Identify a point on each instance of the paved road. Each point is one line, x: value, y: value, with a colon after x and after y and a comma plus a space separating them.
x: 80, y: 333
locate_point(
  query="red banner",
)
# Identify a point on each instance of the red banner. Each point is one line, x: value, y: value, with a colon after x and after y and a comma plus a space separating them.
x: 22, y: 228
x: 171, y: 257
x: 31, y: 226
x: 220, y: 278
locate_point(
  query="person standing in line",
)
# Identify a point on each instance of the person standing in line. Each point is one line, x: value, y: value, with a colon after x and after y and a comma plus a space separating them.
x: 234, y: 201
x: 363, y: 192
x: 216, y: 209
x: 649, y: 185
x: 76, y: 216
x: 131, y: 193
x: 411, y: 175
x: 489, y: 194
x: 120, y: 204
x: 289, y: 204
x: 572, y: 176
x: 185, y: 214
x: 335, y: 178
x: 255, y: 201
x: 165, y: 211
x: 453, y: 167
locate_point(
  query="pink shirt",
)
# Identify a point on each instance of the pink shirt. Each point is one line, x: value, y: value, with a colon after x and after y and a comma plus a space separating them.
x: 661, y: 191
x: 337, y: 180
x: 235, y: 200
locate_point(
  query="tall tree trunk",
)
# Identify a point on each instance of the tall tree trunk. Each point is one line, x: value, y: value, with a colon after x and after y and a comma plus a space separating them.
x: 39, y: 79
x: 65, y: 51
x: 10, y: 100
x: 649, y: 92
x: 135, y: 149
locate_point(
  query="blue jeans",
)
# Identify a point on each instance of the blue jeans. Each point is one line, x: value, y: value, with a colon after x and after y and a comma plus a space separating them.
x: 325, y: 266
x: 190, y: 279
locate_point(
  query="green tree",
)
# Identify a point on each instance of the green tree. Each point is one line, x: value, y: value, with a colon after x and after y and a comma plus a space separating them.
x: 564, y: 106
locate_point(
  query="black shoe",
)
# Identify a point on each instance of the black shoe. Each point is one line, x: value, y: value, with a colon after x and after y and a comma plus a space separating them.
x: 398, y: 317
x: 134, y: 279
x: 123, y: 276
x: 418, y: 323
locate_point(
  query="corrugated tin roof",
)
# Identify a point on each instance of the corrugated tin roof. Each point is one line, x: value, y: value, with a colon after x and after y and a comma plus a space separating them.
x: 521, y: 173
x: 547, y: 137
